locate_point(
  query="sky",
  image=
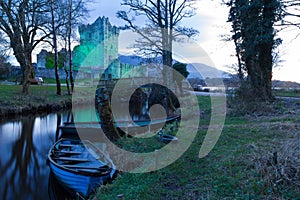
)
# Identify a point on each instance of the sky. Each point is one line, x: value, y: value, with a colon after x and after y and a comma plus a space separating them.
x: 210, y: 20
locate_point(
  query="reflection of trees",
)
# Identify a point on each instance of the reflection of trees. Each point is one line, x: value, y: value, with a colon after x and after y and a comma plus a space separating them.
x: 22, y: 156
x: 56, y: 191
x: 57, y: 125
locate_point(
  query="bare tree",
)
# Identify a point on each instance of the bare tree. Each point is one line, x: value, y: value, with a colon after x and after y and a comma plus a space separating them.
x: 69, y: 15
x: 64, y: 15
x: 162, y: 26
x: 69, y: 35
x: 291, y: 13
x: 76, y: 11
x: 21, y: 21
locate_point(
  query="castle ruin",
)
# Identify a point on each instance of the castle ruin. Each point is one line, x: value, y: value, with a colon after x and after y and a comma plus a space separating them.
x: 96, y: 56
x: 98, y: 49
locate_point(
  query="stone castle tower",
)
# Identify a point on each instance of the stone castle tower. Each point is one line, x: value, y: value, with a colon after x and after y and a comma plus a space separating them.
x: 98, y: 49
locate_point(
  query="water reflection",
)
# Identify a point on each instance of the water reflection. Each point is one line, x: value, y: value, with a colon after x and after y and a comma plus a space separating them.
x: 24, y: 145
x: 56, y: 191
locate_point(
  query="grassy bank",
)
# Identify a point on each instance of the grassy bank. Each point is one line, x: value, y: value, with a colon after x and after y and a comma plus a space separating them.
x: 40, y: 99
x: 256, y: 157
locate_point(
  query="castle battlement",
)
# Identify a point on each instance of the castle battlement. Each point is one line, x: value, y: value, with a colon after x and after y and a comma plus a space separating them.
x: 98, y: 31
x: 98, y: 47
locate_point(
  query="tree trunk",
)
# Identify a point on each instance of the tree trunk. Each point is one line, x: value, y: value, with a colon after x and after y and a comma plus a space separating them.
x: 238, y: 55
x: 266, y: 63
x: 261, y: 80
x: 58, y: 88
x: 266, y: 49
x: 26, y: 79
x: 71, y: 66
x: 261, y: 70
x: 167, y: 68
x: 179, y: 83
x: 27, y: 70
x: 65, y: 67
x: 67, y: 80
x: 105, y: 114
x: 70, y: 48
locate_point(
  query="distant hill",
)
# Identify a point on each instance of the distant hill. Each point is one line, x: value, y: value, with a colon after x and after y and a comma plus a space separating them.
x: 285, y: 84
x: 202, y: 71
x: 196, y: 70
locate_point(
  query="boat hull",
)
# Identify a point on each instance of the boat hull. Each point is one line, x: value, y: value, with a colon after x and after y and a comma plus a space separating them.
x: 92, y: 130
x: 76, y: 168
x: 83, y: 185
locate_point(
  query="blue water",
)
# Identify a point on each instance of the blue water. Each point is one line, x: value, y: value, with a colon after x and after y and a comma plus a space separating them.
x: 24, y: 146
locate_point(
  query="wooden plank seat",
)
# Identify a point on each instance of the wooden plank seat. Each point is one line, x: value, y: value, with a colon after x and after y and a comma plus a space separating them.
x: 103, y: 168
x: 69, y: 145
x: 71, y: 159
x: 68, y: 152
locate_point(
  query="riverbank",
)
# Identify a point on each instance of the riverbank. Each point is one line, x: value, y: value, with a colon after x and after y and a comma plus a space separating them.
x: 41, y: 99
x: 256, y: 157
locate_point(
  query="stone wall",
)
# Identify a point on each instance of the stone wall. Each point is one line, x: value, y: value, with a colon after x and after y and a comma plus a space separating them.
x: 50, y: 73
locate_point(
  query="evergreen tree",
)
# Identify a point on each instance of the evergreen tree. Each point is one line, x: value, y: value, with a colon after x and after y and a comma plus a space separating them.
x: 180, y: 74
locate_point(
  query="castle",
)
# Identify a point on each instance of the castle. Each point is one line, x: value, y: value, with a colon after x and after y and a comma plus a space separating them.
x: 98, y: 49
x: 97, y: 54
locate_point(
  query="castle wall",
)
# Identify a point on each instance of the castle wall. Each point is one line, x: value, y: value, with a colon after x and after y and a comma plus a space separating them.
x: 98, y: 45
x: 50, y: 73
x: 41, y: 58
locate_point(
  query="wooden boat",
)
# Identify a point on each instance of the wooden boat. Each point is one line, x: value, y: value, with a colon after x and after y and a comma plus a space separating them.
x: 79, y: 166
x: 71, y: 129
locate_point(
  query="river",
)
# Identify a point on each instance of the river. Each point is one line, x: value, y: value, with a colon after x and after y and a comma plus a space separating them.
x: 24, y: 146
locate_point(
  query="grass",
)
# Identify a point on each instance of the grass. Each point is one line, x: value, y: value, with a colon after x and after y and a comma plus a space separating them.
x: 239, y: 167
x: 287, y: 93
x: 41, y: 98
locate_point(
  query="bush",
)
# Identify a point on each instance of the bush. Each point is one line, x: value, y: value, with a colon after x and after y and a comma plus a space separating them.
x: 244, y: 101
